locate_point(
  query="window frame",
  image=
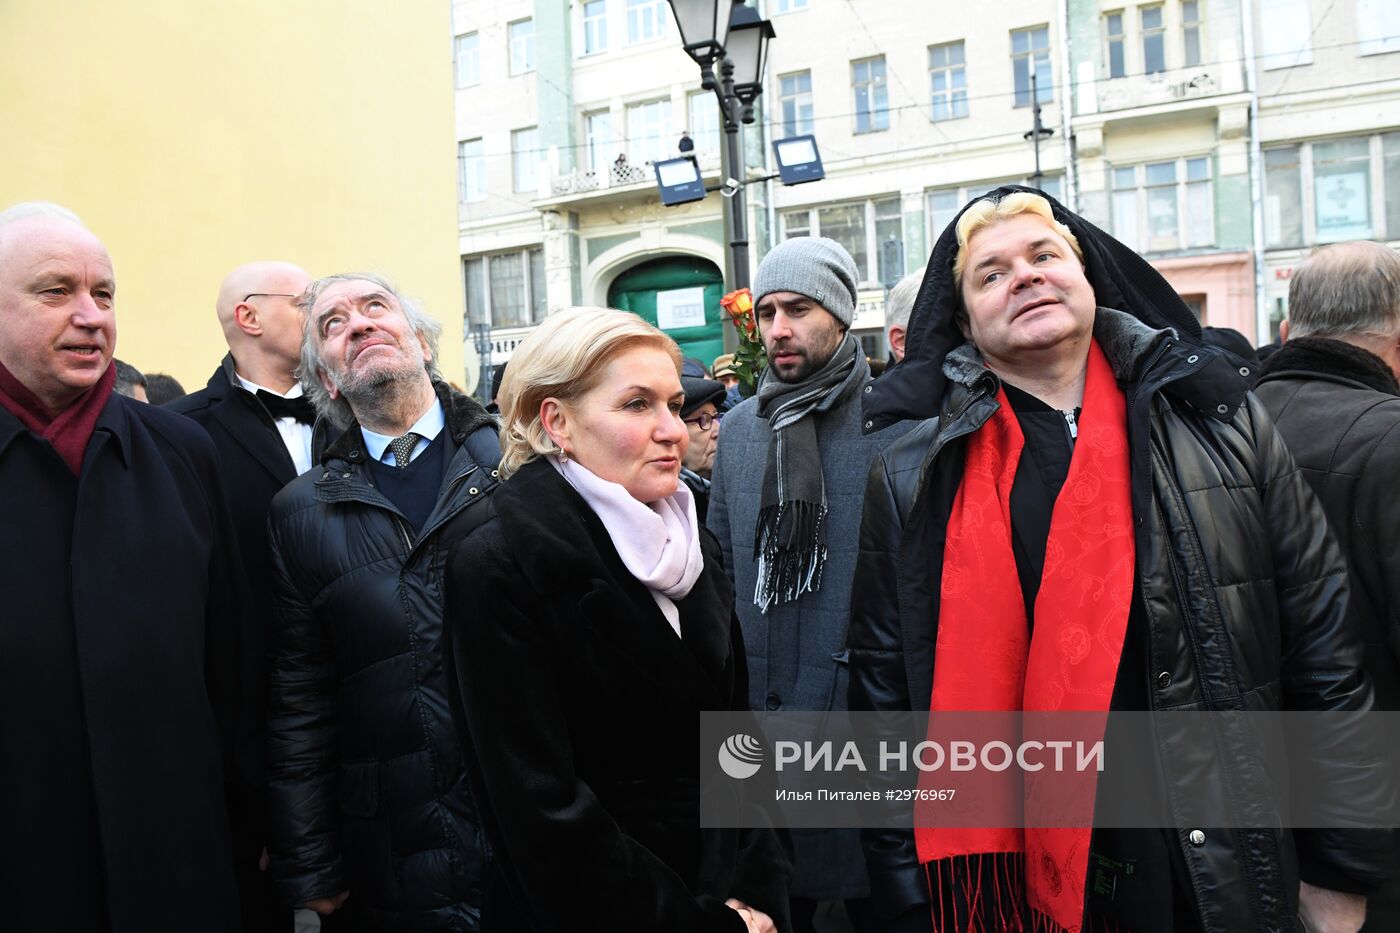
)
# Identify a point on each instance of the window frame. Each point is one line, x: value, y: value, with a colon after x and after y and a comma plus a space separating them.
x: 458, y: 59
x: 870, y: 223
x: 878, y: 114
x: 1157, y: 34
x: 464, y: 175
x: 595, y: 27
x: 486, y: 314
x: 516, y: 152
x: 1185, y: 221
x: 1046, y: 92
x: 1120, y: 39
x: 1189, y: 27
x: 952, y: 71
x: 521, y: 46
x: 801, y: 125
x: 636, y: 14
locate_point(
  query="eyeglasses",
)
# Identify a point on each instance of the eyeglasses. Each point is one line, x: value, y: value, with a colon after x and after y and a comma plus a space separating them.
x: 703, y: 421
x: 268, y: 295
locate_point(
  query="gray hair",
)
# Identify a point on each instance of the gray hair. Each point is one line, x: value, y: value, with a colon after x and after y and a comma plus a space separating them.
x: 312, y: 365
x: 901, y: 300
x: 128, y: 378
x: 26, y: 209
x: 1346, y: 290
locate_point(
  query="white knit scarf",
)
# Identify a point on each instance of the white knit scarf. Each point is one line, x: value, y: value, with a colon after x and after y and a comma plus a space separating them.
x: 659, y: 542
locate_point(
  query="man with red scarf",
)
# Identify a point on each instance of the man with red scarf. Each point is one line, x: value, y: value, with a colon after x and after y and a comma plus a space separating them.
x: 119, y: 656
x: 1096, y: 516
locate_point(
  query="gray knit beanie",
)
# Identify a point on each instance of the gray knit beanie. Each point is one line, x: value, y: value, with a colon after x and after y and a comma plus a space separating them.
x: 813, y: 266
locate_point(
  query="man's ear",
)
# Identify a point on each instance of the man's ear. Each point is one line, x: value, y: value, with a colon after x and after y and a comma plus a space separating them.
x: 246, y: 316
x: 1283, y: 331
x: 896, y: 339
x: 327, y: 384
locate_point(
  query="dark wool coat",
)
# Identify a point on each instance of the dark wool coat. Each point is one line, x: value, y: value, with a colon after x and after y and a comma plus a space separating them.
x: 1245, y: 596
x: 796, y: 651
x: 119, y: 679
x: 583, y: 709
x: 254, y: 466
x: 1338, y: 409
x: 366, y: 786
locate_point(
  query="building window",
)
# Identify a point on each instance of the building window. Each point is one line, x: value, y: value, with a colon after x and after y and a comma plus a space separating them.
x: 522, y: 46
x: 525, y: 158
x: 1285, y: 34
x: 646, y: 19
x: 1113, y: 36
x: 1030, y: 50
x: 787, y: 6
x: 471, y: 171
x: 872, y: 97
x: 1283, y: 198
x: 1190, y: 33
x: 1377, y: 26
x: 595, y: 26
x: 948, y: 78
x: 600, y: 140
x: 1164, y: 206
x: 862, y: 228
x: 466, y: 51
x: 1331, y: 190
x: 1154, y: 40
x: 795, y: 98
x: 797, y: 223
x: 506, y: 289
x: 649, y: 131
x: 704, y: 121
x: 1342, y: 183
x: 1390, y: 153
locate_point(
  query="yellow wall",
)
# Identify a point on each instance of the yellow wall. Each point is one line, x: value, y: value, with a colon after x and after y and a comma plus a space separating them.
x: 192, y: 137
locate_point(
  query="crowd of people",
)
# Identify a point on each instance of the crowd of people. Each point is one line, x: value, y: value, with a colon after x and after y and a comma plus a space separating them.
x: 329, y: 634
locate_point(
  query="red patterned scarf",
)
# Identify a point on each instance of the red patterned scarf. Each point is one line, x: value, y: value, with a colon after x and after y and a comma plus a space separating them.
x: 988, y: 659
x: 68, y: 431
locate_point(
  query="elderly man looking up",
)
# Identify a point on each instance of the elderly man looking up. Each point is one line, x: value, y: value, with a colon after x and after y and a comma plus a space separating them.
x: 1099, y: 517
x: 119, y: 688
x: 369, y: 809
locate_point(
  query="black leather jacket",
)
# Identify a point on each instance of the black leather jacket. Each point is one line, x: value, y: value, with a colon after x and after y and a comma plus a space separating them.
x: 366, y: 783
x: 1243, y: 586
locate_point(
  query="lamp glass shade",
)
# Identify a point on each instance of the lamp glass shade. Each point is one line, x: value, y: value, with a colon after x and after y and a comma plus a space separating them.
x: 704, y: 24
x: 747, y: 47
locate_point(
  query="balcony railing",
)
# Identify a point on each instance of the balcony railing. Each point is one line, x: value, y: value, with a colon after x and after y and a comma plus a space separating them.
x: 618, y: 175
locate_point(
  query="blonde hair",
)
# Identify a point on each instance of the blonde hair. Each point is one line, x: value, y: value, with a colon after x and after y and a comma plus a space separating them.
x: 986, y: 212
x: 564, y: 358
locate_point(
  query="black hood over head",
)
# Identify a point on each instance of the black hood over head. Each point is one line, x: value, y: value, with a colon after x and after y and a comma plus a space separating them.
x: 1121, y: 279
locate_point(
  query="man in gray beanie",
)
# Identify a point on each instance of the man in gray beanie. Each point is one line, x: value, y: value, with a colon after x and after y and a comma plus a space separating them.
x: 790, y: 541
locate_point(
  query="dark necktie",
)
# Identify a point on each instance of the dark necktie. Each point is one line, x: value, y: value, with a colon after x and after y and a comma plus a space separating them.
x: 299, y: 408
x: 403, y: 448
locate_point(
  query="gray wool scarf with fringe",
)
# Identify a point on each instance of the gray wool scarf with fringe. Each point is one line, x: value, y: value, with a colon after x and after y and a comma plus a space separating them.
x: 790, y: 537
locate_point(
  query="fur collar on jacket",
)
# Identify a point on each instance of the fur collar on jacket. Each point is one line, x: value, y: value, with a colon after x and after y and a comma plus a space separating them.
x: 1312, y: 357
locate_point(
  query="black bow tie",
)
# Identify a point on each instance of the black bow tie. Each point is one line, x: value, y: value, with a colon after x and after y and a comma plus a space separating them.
x: 299, y: 408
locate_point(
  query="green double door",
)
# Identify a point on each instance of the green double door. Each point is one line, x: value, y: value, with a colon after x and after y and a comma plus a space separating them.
x: 679, y: 294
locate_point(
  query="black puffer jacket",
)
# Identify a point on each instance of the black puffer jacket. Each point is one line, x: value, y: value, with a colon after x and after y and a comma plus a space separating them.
x: 367, y: 787
x: 1244, y: 590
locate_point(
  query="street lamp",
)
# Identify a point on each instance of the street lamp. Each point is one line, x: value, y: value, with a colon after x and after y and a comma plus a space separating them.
x: 736, y: 37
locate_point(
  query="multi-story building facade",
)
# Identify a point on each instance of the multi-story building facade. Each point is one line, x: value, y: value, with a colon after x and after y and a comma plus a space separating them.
x: 1215, y: 150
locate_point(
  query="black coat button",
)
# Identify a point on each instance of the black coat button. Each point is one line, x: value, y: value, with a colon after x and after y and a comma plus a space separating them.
x: 1164, y: 680
x: 773, y: 701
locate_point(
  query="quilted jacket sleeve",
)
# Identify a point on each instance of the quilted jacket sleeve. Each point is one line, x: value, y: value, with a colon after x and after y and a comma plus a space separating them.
x: 878, y: 681
x: 303, y: 812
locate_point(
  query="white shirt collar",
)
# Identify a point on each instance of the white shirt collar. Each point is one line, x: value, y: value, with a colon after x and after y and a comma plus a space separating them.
x: 428, y: 426
x: 294, y: 392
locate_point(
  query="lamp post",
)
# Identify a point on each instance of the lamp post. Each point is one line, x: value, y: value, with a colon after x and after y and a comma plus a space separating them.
x: 737, y: 38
